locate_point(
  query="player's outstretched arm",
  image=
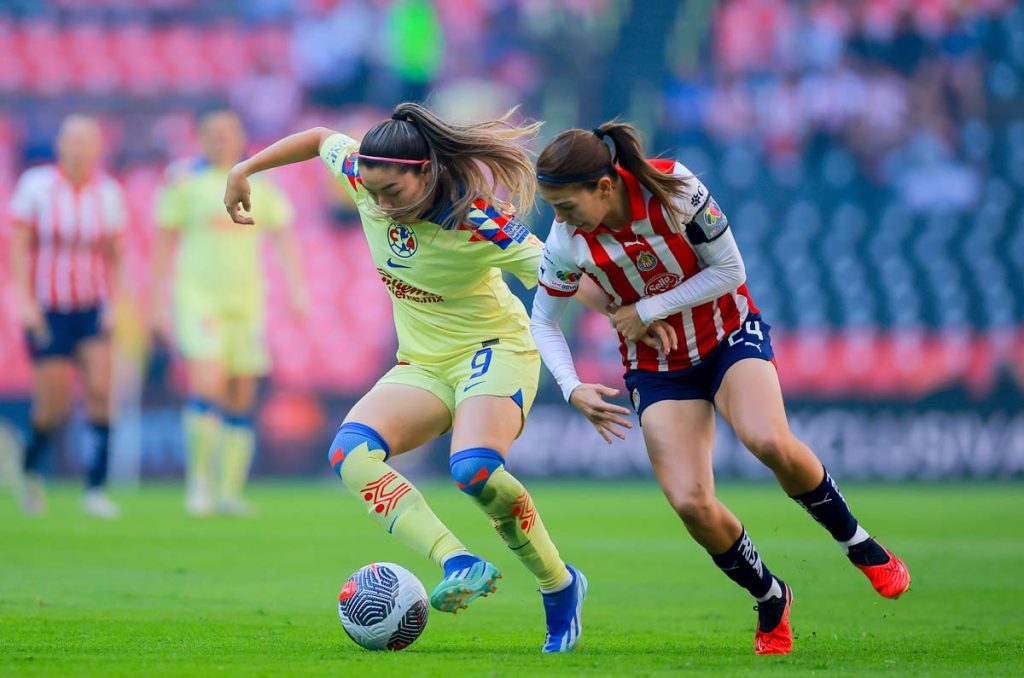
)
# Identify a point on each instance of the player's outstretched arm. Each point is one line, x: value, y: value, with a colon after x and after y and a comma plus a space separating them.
x: 291, y: 149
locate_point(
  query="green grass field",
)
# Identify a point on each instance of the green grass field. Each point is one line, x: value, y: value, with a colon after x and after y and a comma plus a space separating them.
x: 158, y: 593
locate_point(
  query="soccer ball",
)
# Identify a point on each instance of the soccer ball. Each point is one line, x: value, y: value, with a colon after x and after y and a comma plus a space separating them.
x: 383, y: 606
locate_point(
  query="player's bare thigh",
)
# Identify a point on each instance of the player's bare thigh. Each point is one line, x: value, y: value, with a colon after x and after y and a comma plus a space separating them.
x: 207, y: 379
x: 405, y: 416
x: 680, y: 440
x: 240, y: 394
x: 94, y: 358
x: 51, y: 391
x: 486, y: 421
x: 750, y: 399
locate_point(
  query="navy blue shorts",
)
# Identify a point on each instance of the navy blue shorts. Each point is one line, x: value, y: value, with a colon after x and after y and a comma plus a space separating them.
x: 65, y: 330
x: 752, y: 340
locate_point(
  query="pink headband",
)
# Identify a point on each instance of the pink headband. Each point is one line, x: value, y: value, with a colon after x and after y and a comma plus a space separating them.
x: 401, y: 161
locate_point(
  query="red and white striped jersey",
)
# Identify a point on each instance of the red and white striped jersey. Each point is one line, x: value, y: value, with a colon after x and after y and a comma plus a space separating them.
x: 646, y: 258
x: 70, y: 226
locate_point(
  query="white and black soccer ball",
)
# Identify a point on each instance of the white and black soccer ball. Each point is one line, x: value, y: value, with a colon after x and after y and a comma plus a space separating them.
x: 383, y: 606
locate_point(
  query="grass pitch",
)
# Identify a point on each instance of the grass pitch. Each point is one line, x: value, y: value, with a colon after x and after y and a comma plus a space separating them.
x: 159, y: 593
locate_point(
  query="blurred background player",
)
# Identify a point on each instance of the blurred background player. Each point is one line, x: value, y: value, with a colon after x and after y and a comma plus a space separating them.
x: 440, y: 238
x: 652, y: 236
x: 219, y: 308
x: 65, y: 264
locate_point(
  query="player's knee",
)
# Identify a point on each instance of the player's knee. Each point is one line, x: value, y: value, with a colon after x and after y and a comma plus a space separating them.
x: 772, y: 447
x: 694, y: 507
x: 50, y: 420
x: 51, y: 416
x: 97, y: 405
x: 349, y: 438
x: 471, y: 468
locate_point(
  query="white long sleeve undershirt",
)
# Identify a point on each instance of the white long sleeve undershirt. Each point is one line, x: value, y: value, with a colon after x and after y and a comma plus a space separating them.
x: 547, y: 334
x: 723, y: 272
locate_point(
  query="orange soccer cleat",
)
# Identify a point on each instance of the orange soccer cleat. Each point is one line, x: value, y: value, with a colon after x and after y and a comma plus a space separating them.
x: 890, y: 577
x: 774, y: 635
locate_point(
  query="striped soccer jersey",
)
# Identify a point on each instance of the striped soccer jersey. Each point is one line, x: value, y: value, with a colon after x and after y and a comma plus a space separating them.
x: 70, y: 227
x: 646, y: 258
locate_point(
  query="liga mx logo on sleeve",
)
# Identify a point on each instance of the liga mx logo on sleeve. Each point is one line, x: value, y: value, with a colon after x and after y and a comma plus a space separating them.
x: 714, y: 219
x: 402, y: 240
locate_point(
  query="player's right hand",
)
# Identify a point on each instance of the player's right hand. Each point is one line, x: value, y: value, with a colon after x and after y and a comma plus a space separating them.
x: 34, y: 322
x: 590, y: 400
x: 661, y: 337
x: 236, y: 197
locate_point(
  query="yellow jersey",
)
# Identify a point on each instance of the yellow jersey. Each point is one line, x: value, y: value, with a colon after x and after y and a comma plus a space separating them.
x: 217, y: 258
x: 446, y: 287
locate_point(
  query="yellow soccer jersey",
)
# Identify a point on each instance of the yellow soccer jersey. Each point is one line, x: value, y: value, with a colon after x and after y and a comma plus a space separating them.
x: 216, y: 256
x: 445, y: 285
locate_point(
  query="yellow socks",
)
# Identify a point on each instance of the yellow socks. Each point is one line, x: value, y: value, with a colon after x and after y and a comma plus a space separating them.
x: 480, y: 473
x: 238, y: 442
x: 203, y: 426
x: 357, y: 455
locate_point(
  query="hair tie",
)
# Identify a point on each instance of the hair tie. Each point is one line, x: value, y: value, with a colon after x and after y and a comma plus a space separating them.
x: 599, y: 133
x: 403, y: 117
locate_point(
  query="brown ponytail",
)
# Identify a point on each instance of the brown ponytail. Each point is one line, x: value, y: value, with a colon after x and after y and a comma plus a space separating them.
x: 467, y: 162
x: 582, y: 156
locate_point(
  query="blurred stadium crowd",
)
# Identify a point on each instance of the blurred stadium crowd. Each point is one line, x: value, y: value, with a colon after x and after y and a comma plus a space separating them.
x: 870, y: 154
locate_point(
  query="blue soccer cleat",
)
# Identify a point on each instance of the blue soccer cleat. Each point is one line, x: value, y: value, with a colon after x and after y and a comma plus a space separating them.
x: 465, y: 577
x: 564, y: 611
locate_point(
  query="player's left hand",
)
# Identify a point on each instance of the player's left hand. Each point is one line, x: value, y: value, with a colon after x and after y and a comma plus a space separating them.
x: 606, y: 417
x: 661, y: 337
x: 236, y: 194
x: 626, y: 322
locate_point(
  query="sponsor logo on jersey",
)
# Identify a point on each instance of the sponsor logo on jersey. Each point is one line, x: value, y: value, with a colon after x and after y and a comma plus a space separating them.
x: 567, y: 276
x: 402, y: 240
x: 660, y: 283
x: 646, y: 261
x: 403, y: 290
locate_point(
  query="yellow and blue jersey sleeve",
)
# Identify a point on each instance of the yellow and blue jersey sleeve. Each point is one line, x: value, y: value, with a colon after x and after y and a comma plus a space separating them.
x: 338, y: 153
x: 515, y: 250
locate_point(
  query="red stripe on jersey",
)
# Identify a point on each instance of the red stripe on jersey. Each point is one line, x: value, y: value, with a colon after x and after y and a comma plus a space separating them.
x: 99, y: 282
x: 54, y: 246
x: 730, y: 314
x: 616, y: 277
x: 704, y: 326
x: 750, y: 300
x: 75, y: 244
x: 621, y: 286
x: 677, y: 244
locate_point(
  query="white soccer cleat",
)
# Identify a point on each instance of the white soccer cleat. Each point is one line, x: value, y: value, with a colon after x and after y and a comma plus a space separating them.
x: 199, y: 502
x: 98, y: 504
x: 235, y: 507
